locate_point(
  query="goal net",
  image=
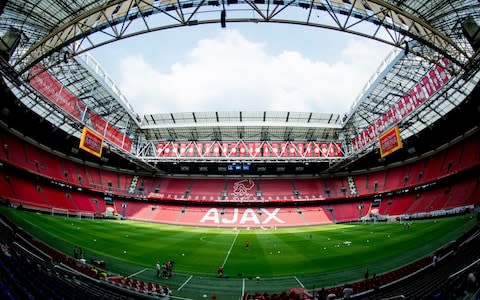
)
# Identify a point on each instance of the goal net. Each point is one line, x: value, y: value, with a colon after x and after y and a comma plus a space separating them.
x: 60, y: 212
x: 86, y: 215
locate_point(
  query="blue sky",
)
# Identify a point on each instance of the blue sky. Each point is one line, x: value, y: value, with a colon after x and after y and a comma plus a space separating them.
x: 242, y: 67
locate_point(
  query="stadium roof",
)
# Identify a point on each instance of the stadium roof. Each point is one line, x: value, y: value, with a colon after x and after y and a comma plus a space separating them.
x: 246, y: 125
x: 58, y: 34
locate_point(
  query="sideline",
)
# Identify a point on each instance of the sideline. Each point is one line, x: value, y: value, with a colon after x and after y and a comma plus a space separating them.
x: 243, y: 288
x: 181, y: 298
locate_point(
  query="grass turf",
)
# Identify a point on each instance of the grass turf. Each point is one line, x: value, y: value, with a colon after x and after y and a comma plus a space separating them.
x: 290, y: 257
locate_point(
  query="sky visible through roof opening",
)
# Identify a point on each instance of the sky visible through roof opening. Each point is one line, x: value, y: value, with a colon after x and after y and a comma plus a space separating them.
x: 248, y: 67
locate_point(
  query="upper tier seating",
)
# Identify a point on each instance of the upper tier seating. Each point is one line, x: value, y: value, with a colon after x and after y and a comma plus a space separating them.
x: 276, y: 189
x: 309, y: 189
x: 174, y: 188
x: 207, y: 192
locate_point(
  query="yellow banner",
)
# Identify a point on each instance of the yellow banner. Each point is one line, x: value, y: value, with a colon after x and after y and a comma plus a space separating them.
x: 91, y: 142
x: 390, y: 141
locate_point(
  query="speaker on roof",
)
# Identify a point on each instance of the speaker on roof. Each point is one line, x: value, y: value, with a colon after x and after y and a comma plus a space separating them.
x: 66, y: 56
x: 223, y: 16
x: 8, y: 42
x: 471, y: 30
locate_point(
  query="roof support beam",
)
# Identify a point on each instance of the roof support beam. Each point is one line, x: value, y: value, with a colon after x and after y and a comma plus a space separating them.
x: 114, y: 20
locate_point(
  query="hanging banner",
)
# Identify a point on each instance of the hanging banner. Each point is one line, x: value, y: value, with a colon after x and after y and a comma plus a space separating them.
x: 91, y: 142
x: 429, y: 84
x: 390, y: 141
x: 54, y: 91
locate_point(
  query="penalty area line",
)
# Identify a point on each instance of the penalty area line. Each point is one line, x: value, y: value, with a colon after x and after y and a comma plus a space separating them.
x: 299, y: 282
x: 186, y: 281
x: 230, y: 250
x: 135, y: 274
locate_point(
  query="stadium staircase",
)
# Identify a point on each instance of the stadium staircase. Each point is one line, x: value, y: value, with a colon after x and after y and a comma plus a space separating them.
x: 151, y: 212
x: 427, y: 201
x: 73, y: 203
x: 93, y: 177
x: 415, y: 205
x: 224, y: 191
x: 188, y: 191
x: 43, y: 197
x: 295, y: 192
x: 385, y: 206
x: 181, y: 214
x: 300, y: 213
x: 331, y: 211
x: 6, y: 186
x: 258, y: 192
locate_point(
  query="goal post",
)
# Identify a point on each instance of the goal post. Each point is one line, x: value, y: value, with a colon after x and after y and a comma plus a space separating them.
x: 60, y: 212
x: 86, y: 215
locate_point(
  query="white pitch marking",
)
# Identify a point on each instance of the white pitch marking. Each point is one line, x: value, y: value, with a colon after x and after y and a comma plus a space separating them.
x: 135, y: 274
x: 186, y: 281
x: 243, y: 288
x: 300, y: 283
x: 181, y: 298
x: 230, y: 250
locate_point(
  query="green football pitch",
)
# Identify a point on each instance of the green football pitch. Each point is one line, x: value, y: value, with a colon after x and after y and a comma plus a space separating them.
x: 282, y: 258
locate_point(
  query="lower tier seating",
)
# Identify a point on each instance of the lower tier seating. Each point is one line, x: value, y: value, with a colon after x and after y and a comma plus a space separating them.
x: 44, y: 196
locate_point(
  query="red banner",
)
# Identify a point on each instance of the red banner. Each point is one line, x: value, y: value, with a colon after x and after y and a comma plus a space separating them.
x: 390, y: 141
x: 111, y: 133
x: 91, y: 142
x: 434, y: 80
x: 249, y: 149
x: 55, y: 92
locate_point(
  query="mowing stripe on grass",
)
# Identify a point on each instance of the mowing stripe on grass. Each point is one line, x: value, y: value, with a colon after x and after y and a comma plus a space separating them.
x: 136, y: 273
x: 186, y: 281
x: 299, y: 282
x: 230, y: 250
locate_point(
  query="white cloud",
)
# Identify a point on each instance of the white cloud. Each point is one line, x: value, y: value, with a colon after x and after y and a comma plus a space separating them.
x: 229, y: 72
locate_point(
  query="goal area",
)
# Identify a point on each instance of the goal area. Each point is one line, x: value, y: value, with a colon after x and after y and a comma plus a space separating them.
x: 60, y: 212
x: 86, y: 215
x: 55, y: 211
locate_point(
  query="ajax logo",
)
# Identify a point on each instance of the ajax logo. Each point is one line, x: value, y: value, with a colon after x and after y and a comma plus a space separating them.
x: 242, y: 190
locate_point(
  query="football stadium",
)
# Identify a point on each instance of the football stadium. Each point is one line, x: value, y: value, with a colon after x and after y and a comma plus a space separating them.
x: 100, y: 200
